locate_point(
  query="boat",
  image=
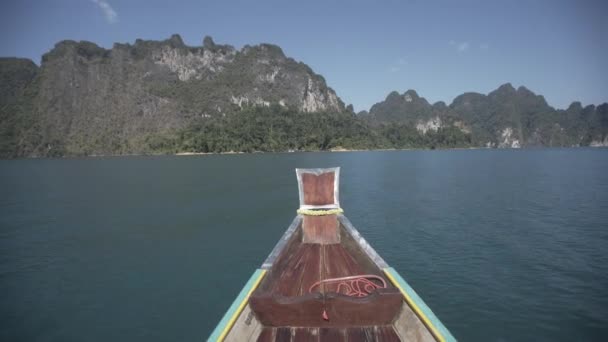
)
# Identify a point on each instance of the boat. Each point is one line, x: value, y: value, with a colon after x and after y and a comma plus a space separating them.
x: 324, y: 282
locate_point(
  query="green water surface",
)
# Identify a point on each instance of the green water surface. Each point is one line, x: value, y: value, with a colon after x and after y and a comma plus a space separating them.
x: 503, y: 245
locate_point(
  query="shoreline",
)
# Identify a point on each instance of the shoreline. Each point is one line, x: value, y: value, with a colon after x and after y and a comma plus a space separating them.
x: 335, y: 150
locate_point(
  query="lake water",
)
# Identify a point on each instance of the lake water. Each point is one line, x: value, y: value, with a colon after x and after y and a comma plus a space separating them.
x: 503, y: 245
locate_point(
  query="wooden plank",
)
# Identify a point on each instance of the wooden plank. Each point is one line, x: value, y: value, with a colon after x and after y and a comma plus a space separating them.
x: 379, y: 308
x: 340, y: 263
x: 360, y: 334
x: 324, y: 268
x: 281, y: 263
x: 349, y: 263
x: 386, y: 334
x: 283, y: 334
x: 311, y: 271
x: 318, y: 189
x: 335, y: 203
x: 305, y: 334
x: 332, y: 334
x: 334, y: 266
x: 235, y: 309
x: 267, y: 335
x: 277, y: 311
x: 246, y: 328
x: 283, y: 242
x: 320, y: 229
x: 410, y: 328
x: 290, y: 275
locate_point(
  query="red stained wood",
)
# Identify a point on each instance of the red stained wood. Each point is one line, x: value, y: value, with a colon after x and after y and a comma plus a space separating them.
x: 331, y: 335
x: 339, y: 263
x: 276, y: 311
x: 318, y: 190
x: 379, y: 308
x: 321, y: 229
x: 305, y: 334
x: 312, y: 272
x: 269, y: 283
x: 283, y: 334
x: 301, y: 271
x: 386, y: 334
x: 267, y: 335
x: 362, y: 334
x: 283, y: 299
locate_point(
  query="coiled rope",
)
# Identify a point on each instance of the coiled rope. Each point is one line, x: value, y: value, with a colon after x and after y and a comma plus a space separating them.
x: 354, y: 286
x: 316, y: 212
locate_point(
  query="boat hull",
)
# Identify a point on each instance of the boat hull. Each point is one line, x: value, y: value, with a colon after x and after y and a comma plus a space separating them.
x: 277, y: 304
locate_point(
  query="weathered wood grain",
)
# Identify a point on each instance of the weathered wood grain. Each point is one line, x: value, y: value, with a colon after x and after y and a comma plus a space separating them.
x: 283, y: 334
x: 379, y: 308
x: 410, y: 328
x: 333, y: 335
x: 386, y: 334
x: 268, y: 334
x: 318, y: 189
x: 320, y: 229
x: 246, y: 328
x: 301, y: 334
x: 288, y: 236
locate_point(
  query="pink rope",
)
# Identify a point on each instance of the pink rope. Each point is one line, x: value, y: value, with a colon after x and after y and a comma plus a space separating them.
x: 354, y: 286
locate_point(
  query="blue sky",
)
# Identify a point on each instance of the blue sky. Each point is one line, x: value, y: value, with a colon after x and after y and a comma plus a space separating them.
x: 365, y: 49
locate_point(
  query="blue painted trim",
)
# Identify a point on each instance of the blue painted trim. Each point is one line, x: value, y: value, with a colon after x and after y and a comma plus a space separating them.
x: 448, y: 337
x: 242, y: 296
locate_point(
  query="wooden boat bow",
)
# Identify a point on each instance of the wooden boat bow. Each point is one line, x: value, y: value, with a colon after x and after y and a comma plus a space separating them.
x: 302, y: 291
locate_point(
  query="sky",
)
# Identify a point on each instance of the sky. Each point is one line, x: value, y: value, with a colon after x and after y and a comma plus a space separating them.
x: 364, y: 49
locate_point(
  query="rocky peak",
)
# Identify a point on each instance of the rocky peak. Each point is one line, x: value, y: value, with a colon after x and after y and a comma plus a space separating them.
x: 408, y: 108
x: 524, y: 91
x: 71, y: 48
x: 575, y: 106
x: 440, y: 105
x: 176, y: 41
x: 392, y: 96
x: 410, y: 96
x: 208, y: 43
x: 506, y: 88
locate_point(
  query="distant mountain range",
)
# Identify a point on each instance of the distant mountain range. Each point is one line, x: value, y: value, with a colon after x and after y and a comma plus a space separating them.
x: 167, y: 97
x: 506, y: 117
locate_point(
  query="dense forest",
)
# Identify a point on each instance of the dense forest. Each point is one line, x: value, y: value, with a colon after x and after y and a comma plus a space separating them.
x: 275, y: 129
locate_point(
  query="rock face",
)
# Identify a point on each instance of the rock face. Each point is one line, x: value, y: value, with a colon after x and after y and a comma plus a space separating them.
x: 88, y: 100
x: 138, y: 98
x: 411, y: 109
x: 504, y: 118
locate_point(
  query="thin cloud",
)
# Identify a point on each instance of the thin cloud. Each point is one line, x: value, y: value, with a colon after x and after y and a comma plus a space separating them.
x: 484, y: 46
x: 460, y: 46
x: 108, y: 12
x: 398, y: 65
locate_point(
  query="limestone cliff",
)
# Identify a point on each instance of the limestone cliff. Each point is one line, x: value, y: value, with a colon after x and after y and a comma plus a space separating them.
x: 84, y: 99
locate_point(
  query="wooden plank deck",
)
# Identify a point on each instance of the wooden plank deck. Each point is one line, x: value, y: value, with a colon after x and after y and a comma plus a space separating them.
x: 285, y: 300
x: 309, y: 263
x: 384, y: 333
